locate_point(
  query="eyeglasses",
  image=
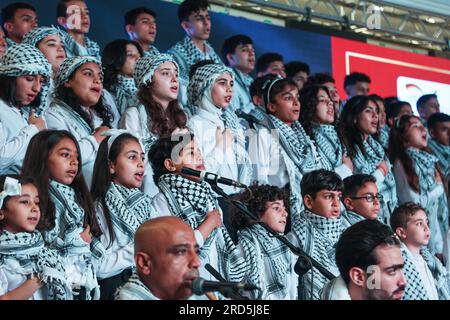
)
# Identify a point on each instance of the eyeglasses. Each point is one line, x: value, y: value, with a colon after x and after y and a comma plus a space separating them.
x: 369, y: 197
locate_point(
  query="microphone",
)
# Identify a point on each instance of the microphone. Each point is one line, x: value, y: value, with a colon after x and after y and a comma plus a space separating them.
x: 211, y: 178
x: 200, y: 286
x: 228, y: 292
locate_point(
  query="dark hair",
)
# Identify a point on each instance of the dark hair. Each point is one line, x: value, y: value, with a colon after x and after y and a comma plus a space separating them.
x: 355, y: 182
x: 113, y: 58
x: 35, y: 164
x: 390, y: 100
x: 320, y: 79
x: 356, y: 245
x: 436, y: 118
x: 10, y: 10
x: 8, y: 92
x: 102, y: 178
x: 376, y: 97
x: 61, y: 8
x: 256, y: 198
x: 424, y: 99
x: 355, y: 77
x: 162, y: 150
x: 294, y: 67
x: 46, y: 222
x: 397, y: 149
x: 394, y: 109
x: 348, y: 123
x: 257, y: 84
x: 266, y: 59
x: 189, y: 6
x: 68, y: 96
x: 309, y: 103
x: 230, y: 45
x: 401, y: 215
x: 275, y: 89
x: 132, y: 15
x: 315, y: 181
x: 198, y: 65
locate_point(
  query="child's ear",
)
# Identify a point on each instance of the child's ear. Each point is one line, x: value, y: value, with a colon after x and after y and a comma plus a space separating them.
x: 9, y: 26
x: 271, y: 107
x: 169, y: 165
x: 308, y: 201
x: 230, y: 57
x: 129, y: 28
x: 111, y: 167
x: 143, y: 263
x: 431, y: 131
x: 348, y: 203
x: 2, y: 215
x: 185, y: 25
x: 357, y: 276
x: 62, y: 21
x: 401, y: 232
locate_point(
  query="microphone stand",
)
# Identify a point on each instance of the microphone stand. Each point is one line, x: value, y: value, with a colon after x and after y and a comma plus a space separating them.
x: 227, y: 292
x: 304, y: 262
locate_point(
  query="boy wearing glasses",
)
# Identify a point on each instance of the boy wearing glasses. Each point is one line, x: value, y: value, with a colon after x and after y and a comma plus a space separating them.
x: 319, y: 225
x: 361, y: 199
x: 427, y: 278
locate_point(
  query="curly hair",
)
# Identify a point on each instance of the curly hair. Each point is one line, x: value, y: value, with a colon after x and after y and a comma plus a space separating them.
x: 256, y: 198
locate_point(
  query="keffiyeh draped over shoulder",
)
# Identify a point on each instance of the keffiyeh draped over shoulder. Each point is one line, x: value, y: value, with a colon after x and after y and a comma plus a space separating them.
x: 443, y: 153
x: 36, y: 35
x: 329, y: 146
x: 23, y: 60
x: 73, y: 48
x: 25, y: 253
x: 126, y: 93
x: 134, y: 289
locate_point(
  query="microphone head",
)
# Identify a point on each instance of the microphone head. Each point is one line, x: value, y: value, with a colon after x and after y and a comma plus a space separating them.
x: 197, y: 286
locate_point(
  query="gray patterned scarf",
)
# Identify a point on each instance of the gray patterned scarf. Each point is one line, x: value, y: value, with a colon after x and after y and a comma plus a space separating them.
x: 349, y: 218
x: 384, y: 136
x: 152, y: 51
x: 443, y: 153
x: 425, y: 167
x: 73, y: 48
x: 26, y: 254
x: 125, y: 93
x: 134, y: 289
x: 329, y: 145
x: 191, y: 201
x: 414, y: 289
x: 440, y: 274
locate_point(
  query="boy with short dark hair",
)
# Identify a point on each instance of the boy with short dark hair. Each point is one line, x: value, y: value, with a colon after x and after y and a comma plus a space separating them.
x: 356, y: 83
x: 270, y: 63
x: 319, y: 226
x: 18, y: 19
x: 439, y: 128
x: 140, y: 25
x: 361, y: 199
x: 427, y: 105
x: 427, y: 278
x: 298, y: 72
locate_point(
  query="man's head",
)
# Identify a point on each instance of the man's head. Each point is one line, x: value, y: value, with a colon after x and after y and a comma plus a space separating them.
x: 166, y: 256
x: 439, y: 127
x: 370, y: 261
x: 357, y: 84
x: 410, y: 223
x: 361, y: 195
x: 195, y: 19
x: 427, y: 105
x: 140, y: 25
x: 321, y: 192
x: 238, y: 52
x: 18, y: 19
x: 298, y: 72
x: 270, y: 63
x: 73, y: 15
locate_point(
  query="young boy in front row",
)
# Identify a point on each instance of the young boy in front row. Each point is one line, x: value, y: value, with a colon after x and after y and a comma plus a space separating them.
x: 319, y: 226
x: 361, y: 199
x: 426, y: 277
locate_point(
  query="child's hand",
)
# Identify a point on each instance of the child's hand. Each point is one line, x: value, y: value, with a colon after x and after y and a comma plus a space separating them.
x: 214, y: 218
x: 86, y: 235
x: 383, y: 167
x: 347, y: 161
x: 98, y: 133
x: 37, y: 122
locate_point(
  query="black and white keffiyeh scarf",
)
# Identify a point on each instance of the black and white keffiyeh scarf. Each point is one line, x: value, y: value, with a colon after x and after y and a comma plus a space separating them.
x: 25, y: 253
x: 126, y: 93
x: 73, y: 48
x: 191, y: 201
x: 134, y: 289
x: 329, y: 146
x: 152, y: 51
x: 443, y: 153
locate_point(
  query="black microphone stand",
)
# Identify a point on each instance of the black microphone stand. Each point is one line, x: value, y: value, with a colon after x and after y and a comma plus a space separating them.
x: 304, y: 262
x: 227, y: 292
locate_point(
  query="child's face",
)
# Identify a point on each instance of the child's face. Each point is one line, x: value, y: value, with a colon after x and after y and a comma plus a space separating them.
x: 189, y: 157
x: 22, y: 213
x: 275, y: 216
x: 243, y: 58
x: 133, y: 55
x: 359, y: 203
x: 324, y: 109
x: 275, y: 68
x: 326, y: 204
x: 381, y: 113
x: 416, y: 134
x: 441, y: 133
x: 165, y: 83
x: 24, y: 21
x: 368, y: 119
x: 198, y: 25
x: 222, y: 91
x: 28, y: 88
x: 128, y: 169
x: 87, y: 84
x: 82, y: 16
x: 63, y: 162
x: 286, y: 106
x: 53, y: 49
x: 417, y: 232
x: 145, y: 28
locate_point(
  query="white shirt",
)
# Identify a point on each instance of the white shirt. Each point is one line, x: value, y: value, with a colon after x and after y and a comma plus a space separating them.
x: 10, y: 280
x: 15, y: 135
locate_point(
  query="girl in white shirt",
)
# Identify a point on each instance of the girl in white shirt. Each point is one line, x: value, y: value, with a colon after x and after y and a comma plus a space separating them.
x: 24, y: 73
x: 418, y: 176
x: 121, y: 206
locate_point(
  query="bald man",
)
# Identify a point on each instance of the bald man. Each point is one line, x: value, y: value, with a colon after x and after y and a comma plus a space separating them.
x: 166, y: 257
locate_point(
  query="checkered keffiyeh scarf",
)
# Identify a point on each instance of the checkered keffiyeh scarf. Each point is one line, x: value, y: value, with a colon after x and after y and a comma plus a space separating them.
x: 145, y: 68
x: 74, y: 49
x: 191, y: 201
x: 318, y: 237
x: 152, y: 50
x: 70, y: 65
x: 443, y: 153
x: 329, y: 146
x: 128, y: 208
x: 23, y: 60
x: 367, y: 164
x: 439, y: 272
x: 384, y: 137
x: 134, y: 289
x: 414, y: 289
x: 187, y: 54
x: 36, y: 35
x: 26, y: 254
x: 126, y: 93
x: 272, y: 253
